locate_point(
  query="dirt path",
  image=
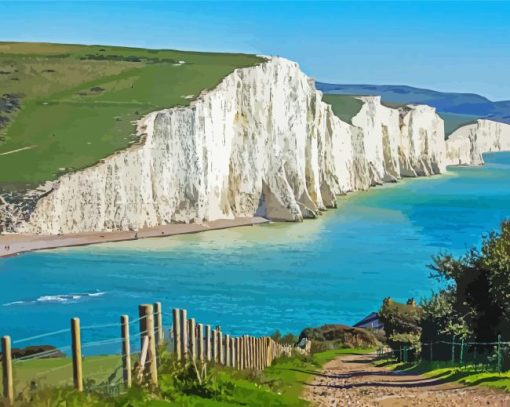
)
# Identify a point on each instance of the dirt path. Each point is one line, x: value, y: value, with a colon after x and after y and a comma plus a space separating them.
x: 354, y: 381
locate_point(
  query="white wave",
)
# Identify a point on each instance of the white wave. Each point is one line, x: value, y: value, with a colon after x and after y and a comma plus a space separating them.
x: 58, y: 298
x: 13, y: 303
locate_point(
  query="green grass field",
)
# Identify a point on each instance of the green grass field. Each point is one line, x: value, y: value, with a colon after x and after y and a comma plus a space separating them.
x: 344, y: 107
x: 453, y: 121
x: 78, y: 103
x: 59, y: 371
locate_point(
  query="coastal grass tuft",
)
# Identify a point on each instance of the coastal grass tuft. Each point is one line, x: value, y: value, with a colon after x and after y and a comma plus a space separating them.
x: 78, y: 104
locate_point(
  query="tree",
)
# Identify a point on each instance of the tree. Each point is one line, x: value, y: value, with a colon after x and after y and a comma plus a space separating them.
x: 401, y: 324
x: 478, y: 288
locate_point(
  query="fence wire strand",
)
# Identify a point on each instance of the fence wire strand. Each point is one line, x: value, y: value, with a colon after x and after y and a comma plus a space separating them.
x: 31, y: 338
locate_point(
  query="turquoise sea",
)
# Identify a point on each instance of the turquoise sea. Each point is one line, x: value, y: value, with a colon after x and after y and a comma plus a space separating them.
x: 257, y: 279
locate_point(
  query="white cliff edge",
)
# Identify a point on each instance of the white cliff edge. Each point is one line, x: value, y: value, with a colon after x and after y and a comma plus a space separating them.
x: 466, y: 145
x: 261, y: 143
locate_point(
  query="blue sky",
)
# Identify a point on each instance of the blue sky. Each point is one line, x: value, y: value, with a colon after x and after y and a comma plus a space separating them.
x: 450, y: 46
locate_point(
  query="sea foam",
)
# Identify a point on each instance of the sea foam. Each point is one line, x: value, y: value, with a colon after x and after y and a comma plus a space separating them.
x: 57, y: 299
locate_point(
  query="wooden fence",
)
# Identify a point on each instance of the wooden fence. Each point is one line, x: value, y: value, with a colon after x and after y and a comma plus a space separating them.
x: 190, y: 342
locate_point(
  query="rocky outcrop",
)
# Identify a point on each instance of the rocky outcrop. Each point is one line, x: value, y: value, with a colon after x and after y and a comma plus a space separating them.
x: 261, y: 143
x: 466, y: 145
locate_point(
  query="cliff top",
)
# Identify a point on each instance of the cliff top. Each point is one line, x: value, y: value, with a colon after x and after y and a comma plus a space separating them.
x: 65, y: 107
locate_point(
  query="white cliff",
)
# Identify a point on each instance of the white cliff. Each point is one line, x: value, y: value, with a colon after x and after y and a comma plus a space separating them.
x: 466, y: 145
x: 261, y: 143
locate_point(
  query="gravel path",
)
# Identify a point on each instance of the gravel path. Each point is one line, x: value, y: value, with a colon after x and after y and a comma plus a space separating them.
x: 354, y: 381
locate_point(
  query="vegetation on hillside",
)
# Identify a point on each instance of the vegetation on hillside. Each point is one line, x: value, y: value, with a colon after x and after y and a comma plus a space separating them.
x: 65, y: 107
x: 461, y: 104
x: 190, y: 385
x: 347, y: 106
x: 344, y: 107
x: 470, y: 316
x: 477, y: 296
x: 401, y: 323
x: 333, y: 336
x: 453, y: 121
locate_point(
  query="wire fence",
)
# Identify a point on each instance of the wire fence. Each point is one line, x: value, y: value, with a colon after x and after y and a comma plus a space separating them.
x: 111, y: 364
x: 472, y: 355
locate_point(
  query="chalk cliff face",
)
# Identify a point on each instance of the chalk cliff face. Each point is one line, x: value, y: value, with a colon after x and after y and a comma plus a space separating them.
x: 261, y: 143
x: 466, y: 145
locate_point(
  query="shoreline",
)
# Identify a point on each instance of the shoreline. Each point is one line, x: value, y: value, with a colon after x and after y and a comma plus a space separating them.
x: 23, y: 243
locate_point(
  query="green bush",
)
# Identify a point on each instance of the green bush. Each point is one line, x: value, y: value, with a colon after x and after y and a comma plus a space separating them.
x: 191, y: 379
x: 402, y: 325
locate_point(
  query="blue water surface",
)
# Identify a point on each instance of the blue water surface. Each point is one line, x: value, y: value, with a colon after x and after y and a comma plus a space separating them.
x: 254, y: 280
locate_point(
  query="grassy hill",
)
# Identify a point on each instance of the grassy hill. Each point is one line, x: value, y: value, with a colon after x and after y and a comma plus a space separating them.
x: 348, y: 106
x: 455, y: 108
x: 344, y: 106
x: 65, y: 107
x: 453, y: 121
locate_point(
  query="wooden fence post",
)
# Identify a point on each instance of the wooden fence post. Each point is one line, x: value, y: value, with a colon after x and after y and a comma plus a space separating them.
x: 8, y: 383
x: 259, y: 353
x: 177, y: 333
x: 158, y: 327
x: 227, y: 350
x: 261, y: 358
x: 252, y: 352
x: 184, y: 333
x: 461, y: 358
x: 208, y: 338
x: 215, y: 346
x: 232, y: 354
x: 235, y: 350
x: 500, y: 364
x: 269, y: 351
x: 126, y: 351
x: 241, y: 353
x: 146, y: 314
x: 76, y: 349
x: 192, y: 339
x: 200, y: 342
x: 267, y: 348
x: 453, y: 350
x: 246, y: 352
x: 265, y: 351
x: 220, y: 348
x: 248, y: 361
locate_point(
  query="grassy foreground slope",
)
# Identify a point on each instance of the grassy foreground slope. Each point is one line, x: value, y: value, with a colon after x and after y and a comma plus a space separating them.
x: 281, y: 384
x: 65, y: 107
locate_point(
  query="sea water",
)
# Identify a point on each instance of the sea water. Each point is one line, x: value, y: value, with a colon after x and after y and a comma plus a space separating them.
x: 258, y: 279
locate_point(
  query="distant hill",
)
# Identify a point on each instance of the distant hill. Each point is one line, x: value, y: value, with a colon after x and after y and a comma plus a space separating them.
x: 469, y: 105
